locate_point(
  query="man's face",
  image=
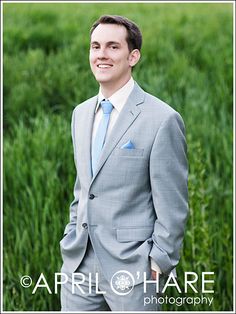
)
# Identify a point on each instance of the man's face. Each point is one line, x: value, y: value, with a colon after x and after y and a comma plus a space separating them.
x: 110, y: 59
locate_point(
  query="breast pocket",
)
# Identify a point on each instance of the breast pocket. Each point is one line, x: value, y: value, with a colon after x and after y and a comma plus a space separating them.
x: 129, y: 167
x: 125, y: 152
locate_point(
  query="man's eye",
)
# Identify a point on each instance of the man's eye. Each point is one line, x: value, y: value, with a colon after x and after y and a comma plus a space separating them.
x: 95, y: 47
x: 114, y: 47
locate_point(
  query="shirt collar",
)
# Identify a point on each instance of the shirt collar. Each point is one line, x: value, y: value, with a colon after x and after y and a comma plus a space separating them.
x: 118, y: 99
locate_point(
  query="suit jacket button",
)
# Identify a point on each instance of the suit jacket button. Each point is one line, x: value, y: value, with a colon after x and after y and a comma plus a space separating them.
x: 84, y: 225
x: 91, y: 196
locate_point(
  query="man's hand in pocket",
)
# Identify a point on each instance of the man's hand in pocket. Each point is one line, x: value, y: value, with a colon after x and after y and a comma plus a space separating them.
x: 154, y: 275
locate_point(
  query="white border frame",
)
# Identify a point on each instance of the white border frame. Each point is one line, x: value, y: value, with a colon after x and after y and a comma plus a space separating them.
x: 1, y: 170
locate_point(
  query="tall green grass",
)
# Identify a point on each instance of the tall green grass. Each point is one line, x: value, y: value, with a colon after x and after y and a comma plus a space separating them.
x: 186, y: 61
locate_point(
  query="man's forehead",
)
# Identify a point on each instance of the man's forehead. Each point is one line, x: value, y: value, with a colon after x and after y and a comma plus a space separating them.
x: 109, y: 32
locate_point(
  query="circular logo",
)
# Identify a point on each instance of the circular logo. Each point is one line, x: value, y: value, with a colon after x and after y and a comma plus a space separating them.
x: 122, y: 282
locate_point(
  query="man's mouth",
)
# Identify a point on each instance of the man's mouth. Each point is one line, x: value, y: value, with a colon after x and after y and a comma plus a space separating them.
x: 104, y: 66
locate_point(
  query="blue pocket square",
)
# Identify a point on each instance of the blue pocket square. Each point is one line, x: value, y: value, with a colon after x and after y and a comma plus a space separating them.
x: 128, y: 145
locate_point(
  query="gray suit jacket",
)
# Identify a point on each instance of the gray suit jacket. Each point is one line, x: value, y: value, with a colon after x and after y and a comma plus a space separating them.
x: 135, y: 206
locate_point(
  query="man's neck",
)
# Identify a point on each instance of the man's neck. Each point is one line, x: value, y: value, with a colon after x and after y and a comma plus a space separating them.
x: 109, y: 89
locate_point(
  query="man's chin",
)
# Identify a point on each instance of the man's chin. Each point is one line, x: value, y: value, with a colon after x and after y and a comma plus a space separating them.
x: 103, y: 80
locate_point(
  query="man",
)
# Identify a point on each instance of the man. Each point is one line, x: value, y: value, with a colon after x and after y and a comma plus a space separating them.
x: 128, y: 216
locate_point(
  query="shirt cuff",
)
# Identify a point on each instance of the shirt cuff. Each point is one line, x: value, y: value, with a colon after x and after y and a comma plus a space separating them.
x: 155, y: 267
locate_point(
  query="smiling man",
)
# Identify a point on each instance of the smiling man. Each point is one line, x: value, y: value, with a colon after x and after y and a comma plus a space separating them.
x: 111, y: 61
x: 130, y: 207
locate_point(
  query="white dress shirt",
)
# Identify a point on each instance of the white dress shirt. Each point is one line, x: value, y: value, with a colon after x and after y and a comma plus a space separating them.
x: 118, y: 100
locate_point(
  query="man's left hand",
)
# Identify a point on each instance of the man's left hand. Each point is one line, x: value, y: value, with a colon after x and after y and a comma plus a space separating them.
x: 154, y: 275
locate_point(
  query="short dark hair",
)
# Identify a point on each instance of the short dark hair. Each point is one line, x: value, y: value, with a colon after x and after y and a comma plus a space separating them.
x: 134, y: 36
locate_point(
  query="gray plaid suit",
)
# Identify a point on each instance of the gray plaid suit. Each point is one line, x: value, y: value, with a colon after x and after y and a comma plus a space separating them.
x: 135, y: 206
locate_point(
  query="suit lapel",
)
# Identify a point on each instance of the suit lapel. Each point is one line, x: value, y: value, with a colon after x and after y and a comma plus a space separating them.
x: 126, y: 117
x: 87, y: 137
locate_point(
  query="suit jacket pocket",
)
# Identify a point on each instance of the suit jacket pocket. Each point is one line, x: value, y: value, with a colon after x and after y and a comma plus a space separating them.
x: 127, y: 234
x: 68, y: 236
x: 125, y: 152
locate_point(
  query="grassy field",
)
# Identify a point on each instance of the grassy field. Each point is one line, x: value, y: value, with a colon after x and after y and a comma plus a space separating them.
x: 186, y: 61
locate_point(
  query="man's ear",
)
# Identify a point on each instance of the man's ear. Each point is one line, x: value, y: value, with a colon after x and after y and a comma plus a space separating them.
x: 134, y: 57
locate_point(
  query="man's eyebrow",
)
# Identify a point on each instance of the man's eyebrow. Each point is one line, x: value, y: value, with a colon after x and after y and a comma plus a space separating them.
x: 113, y: 43
x: 94, y: 43
x: 108, y: 43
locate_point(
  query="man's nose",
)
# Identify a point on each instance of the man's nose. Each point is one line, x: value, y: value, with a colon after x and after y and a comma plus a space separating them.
x: 102, y: 53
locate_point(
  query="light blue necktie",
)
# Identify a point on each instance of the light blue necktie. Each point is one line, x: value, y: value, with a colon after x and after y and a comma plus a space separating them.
x: 100, y: 136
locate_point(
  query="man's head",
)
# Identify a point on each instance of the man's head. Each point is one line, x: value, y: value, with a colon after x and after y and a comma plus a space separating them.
x: 133, y: 36
x: 114, y: 49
